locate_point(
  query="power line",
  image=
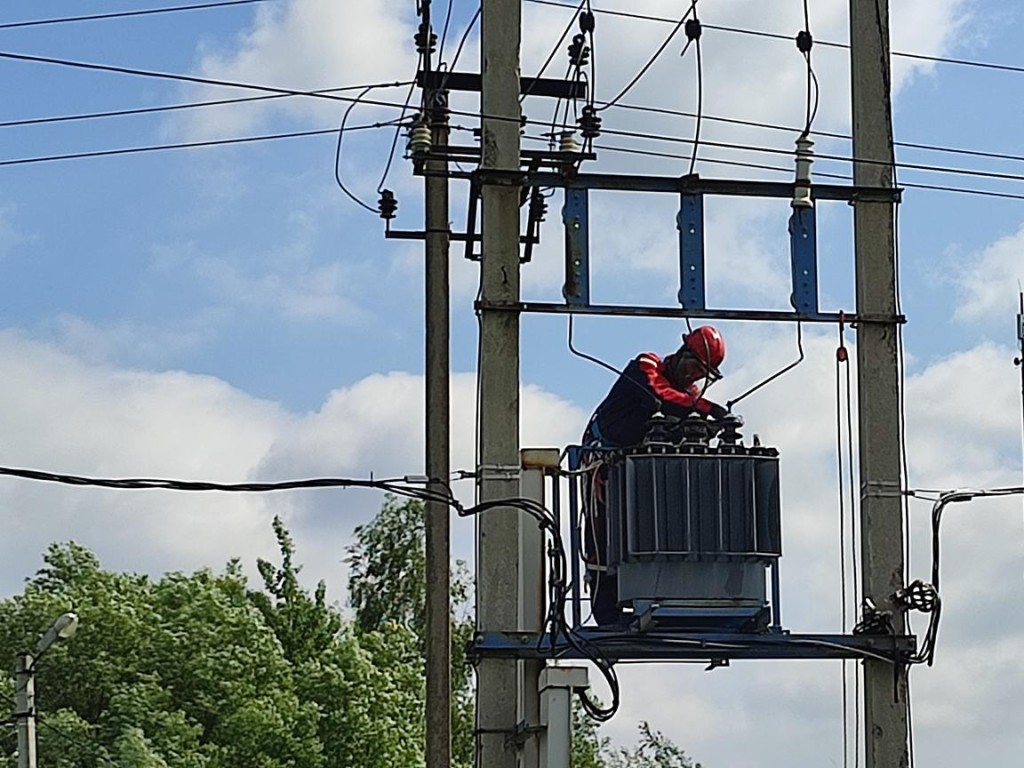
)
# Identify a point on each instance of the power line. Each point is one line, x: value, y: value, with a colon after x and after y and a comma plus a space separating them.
x: 172, y: 76
x: 189, y: 105
x: 627, y: 134
x: 128, y: 112
x: 778, y: 169
x: 331, y: 94
x: 125, y: 14
x: 789, y: 38
x: 188, y: 145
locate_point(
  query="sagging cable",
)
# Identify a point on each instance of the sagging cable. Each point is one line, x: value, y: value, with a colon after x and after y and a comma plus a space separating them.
x: 800, y: 358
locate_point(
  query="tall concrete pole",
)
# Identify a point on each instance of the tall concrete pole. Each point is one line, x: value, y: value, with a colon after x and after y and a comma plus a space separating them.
x: 438, y: 536
x: 885, y: 712
x: 25, y: 716
x: 497, y: 605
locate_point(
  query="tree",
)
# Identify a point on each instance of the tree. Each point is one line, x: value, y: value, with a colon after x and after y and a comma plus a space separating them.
x: 387, y: 585
x: 201, y: 671
x: 180, y: 671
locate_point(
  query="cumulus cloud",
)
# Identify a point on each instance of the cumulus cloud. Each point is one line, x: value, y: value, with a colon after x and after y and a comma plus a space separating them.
x: 306, y: 45
x: 989, y: 286
x: 63, y: 414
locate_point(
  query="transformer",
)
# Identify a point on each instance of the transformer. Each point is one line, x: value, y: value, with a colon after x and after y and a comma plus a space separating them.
x: 692, y: 528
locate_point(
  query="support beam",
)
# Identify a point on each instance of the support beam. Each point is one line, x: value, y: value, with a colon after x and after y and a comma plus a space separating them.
x: 497, y: 593
x: 885, y: 703
x: 437, y: 449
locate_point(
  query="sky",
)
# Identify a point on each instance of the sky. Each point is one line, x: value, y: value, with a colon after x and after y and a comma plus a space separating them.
x: 226, y: 312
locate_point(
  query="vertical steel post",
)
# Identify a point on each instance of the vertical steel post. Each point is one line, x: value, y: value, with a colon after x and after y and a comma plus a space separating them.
x: 885, y: 690
x: 25, y: 704
x: 437, y: 449
x: 497, y: 598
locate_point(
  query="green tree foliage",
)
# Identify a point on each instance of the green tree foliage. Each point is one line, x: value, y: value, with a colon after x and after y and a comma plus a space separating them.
x: 202, y: 671
x: 653, y: 750
x: 387, y: 586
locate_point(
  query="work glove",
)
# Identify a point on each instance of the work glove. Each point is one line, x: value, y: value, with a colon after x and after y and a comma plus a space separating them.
x: 718, y: 412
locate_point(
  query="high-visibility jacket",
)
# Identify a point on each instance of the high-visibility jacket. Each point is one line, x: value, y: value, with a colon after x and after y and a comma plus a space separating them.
x: 640, y: 391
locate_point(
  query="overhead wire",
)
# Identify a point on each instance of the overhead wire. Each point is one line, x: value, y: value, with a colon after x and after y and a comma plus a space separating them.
x: 323, y: 94
x: 693, y: 32
x: 788, y: 38
x: 130, y: 112
x: 126, y: 14
x: 650, y: 62
x: 188, y: 145
x: 337, y: 154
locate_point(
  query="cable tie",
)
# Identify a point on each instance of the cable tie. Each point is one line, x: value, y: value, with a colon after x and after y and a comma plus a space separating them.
x: 879, y: 489
x: 498, y: 472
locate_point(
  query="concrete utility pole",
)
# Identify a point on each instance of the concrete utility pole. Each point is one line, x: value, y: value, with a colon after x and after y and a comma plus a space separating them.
x: 25, y: 697
x: 497, y: 603
x: 438, y: 536
x: 885, y: 707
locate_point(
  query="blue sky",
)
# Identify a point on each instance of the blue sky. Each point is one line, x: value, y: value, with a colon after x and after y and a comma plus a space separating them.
x: 228, y: 313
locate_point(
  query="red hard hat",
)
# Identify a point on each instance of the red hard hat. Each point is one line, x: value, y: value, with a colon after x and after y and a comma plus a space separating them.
x: 707, y: 345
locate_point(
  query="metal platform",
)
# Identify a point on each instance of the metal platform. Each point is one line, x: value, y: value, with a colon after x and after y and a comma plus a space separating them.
x: 713, y: 648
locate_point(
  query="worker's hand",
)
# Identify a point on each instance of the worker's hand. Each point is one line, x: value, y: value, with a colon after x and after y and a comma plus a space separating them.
x: 718, y: 412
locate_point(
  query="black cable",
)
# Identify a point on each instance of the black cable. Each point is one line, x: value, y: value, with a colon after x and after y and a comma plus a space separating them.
x: 187, y: 145
x: 337, y: 155
x: 444, y: 33
x: 825, y: 134
x: 168, y: 76
x: 643, y: 70
x: 324, y: 95
x: 788, y: 38
x: 125, y: 14
x: 190, y: 105
x: 554, y: 51
x: 785, y: 369
x: 398, y: 132
x: 458, y: 50
x: 700, y: 103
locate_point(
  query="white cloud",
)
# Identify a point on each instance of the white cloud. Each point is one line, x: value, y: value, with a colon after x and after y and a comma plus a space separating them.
x: 62, y: 414
x: 990, y: 283
x: 306, y: 45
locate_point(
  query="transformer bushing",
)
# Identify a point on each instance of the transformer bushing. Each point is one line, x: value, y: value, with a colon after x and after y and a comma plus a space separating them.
x: 692, y: 529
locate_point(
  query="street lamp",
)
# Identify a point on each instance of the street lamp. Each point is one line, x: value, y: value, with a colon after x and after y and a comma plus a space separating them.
x: 63, y: 628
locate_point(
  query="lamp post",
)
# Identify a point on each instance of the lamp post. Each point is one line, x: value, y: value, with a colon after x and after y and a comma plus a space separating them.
x: 25, y: 714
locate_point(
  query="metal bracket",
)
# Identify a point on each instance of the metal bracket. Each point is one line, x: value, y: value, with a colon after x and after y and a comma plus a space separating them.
x: 803, y: 249
x: 690, y: 223
x: 576, y: 218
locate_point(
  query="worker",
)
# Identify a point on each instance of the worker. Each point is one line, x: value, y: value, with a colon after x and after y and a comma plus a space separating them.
x: 647, y: 386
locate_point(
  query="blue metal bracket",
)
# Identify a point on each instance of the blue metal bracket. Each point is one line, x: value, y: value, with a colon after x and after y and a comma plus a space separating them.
x: 690, y: 223
x: 576, y: 218
x: 803, y: 250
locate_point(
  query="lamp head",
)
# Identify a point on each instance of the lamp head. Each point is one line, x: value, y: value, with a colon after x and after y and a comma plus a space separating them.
x: 66, y: 625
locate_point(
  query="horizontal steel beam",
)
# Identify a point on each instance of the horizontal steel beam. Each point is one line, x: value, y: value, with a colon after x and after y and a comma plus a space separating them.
x: 458, y: 237
x: 693, y: 646
x: 532, y: 86
x: 617, y: 310
x: 680, y: 184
